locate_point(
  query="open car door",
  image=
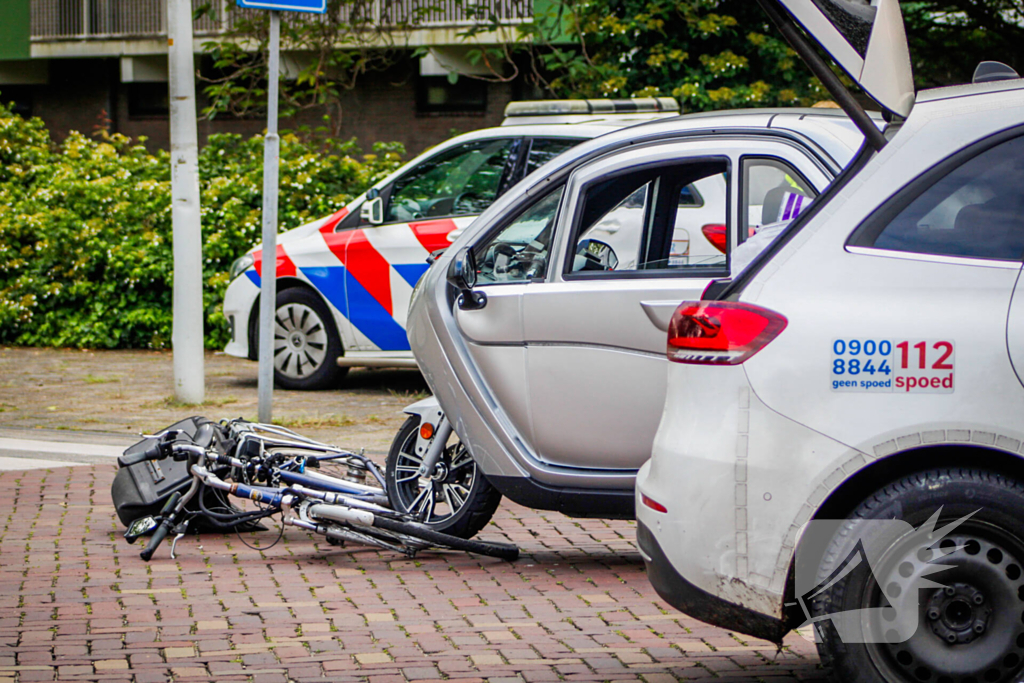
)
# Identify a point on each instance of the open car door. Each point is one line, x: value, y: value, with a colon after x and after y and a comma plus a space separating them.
x: 867, y: 40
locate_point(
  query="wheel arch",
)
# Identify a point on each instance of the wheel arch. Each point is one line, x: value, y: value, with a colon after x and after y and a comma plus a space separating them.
x: 852, y: 491
x: 284, y: 283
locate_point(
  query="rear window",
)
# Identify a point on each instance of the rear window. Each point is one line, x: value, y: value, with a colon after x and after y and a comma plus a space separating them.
x: 975, y: 210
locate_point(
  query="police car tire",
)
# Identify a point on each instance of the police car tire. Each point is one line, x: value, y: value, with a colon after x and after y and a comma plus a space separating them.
x: 996, y: 502
x: 474, y: 514
x: 329, y: 374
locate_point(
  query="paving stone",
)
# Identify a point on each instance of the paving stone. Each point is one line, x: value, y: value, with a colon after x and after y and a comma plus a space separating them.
x: 576, y: 607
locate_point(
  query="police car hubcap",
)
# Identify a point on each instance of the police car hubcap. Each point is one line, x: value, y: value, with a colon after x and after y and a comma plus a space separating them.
x: 300, y: 341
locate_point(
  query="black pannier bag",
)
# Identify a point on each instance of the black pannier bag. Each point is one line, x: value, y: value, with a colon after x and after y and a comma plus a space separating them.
x: 143, y: 488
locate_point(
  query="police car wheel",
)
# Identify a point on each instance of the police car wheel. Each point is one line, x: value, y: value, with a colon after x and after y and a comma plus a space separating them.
x: 306, y: 342
x: 455, y: 499
x: 940, y: 599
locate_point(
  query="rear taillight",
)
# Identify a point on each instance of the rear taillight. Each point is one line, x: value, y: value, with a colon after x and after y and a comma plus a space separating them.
x: 720, y: 332
x: 718, y: 235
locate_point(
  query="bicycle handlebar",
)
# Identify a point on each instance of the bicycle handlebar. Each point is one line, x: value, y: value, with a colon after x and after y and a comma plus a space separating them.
x: 166, y: 524
x: 154, y: 452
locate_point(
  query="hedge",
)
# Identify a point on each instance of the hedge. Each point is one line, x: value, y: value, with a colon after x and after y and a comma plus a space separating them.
x: 85, y: 226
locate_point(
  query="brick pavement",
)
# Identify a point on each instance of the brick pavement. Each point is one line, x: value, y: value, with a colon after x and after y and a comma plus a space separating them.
x: 76, y: 603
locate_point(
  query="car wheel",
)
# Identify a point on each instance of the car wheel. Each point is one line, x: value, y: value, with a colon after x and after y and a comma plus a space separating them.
x: 306, y: 343
x: 456, y: 500
x: 943, y: 599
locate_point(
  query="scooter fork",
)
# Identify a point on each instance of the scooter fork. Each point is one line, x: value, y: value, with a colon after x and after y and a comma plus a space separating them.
x: 437, y: 446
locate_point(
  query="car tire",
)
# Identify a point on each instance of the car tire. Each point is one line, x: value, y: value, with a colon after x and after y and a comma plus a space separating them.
x: 968, y: 625
x: 459, y: 478
x: 306, y: 342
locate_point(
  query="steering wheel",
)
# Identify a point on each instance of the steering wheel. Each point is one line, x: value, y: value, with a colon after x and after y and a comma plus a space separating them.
x: 465, y: 197
x: 411, y: 209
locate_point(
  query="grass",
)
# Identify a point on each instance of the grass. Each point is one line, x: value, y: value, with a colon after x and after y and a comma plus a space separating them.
x: 93, y: 379
x: 173, y: 402
x: 5, y: 407
x: 316, y: 421
x: 411, y: 396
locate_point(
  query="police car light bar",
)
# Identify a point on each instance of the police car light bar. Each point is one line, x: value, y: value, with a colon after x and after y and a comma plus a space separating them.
x: 585, y: 107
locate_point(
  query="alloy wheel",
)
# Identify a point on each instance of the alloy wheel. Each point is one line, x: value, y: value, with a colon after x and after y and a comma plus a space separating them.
x: 441, y: 495
x: 300, y: 341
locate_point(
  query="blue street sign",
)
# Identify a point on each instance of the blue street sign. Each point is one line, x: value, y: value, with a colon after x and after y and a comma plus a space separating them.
x: 316, y: 6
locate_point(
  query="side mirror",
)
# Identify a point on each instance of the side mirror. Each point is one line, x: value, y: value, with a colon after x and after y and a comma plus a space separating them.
x: 462, y: 276
x: 140, y: 527
x: 372, y: 210
x: 594, y: 255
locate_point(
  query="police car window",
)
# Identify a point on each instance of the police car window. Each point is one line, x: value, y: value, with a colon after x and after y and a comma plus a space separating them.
x: 773, y: 192
x: 654, y: 220
x: 975, y: 211
x: 520, y: 251
x: 462, y: 181
x: 543, y: 150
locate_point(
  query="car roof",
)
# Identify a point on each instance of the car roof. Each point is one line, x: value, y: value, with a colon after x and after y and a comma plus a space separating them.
x: 830, y: 129
x: 968, y: 90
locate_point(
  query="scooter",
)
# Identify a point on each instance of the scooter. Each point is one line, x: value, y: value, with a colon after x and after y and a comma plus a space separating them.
x: 430, y: 473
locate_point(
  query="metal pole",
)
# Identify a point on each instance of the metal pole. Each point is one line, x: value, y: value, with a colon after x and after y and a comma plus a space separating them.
x: 187, y: 330
x: 268, y: 275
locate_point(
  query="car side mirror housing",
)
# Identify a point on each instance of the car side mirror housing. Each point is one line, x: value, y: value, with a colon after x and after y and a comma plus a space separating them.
x: 594, y: 255
x: 140, y: 527
x: 372, y: 210
x: 462, y: 276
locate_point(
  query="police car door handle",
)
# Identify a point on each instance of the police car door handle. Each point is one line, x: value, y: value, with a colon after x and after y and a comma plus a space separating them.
x: 660, y: 312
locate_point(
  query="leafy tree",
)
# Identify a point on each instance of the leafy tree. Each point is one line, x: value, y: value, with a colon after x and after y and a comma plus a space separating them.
x: 948, y: 38
x: 710, y: 54
x: 323, y: 55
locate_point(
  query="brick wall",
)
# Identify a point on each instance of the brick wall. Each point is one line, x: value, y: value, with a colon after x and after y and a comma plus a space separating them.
x: 382, y: 107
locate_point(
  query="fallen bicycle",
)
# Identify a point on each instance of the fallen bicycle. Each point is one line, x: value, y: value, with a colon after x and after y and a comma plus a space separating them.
x: 192, y: 469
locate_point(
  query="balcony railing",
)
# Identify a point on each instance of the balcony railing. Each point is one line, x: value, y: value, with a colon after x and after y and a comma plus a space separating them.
x: 54, y: 20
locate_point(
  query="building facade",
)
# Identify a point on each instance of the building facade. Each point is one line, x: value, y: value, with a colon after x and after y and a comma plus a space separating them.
x: 85, y: 64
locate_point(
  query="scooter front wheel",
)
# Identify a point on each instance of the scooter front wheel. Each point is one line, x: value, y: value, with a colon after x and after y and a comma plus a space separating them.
x: 456, y: 498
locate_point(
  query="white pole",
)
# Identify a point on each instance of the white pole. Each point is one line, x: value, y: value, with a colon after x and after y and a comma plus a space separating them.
x: 268, y: 275
x: 187, y: 331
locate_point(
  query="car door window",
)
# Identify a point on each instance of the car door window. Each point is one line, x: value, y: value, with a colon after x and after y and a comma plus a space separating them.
x: 519, y: 252
x: 773, y: 192
x: 462, y: 181
x: 657, y: 219
x: 973, y: 211
x: 543, y: 150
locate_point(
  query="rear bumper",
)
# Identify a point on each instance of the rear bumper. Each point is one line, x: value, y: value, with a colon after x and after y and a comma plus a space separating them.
x: 697, y: 603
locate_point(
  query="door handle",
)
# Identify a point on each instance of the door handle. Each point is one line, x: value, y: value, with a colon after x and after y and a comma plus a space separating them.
x: 660, y: 312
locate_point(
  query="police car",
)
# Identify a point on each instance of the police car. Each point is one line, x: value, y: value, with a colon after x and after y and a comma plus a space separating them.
x: 344, y: 281
x: 841, y: 442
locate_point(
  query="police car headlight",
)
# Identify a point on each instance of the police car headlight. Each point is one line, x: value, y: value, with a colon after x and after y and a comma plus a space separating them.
x: 241, y: 265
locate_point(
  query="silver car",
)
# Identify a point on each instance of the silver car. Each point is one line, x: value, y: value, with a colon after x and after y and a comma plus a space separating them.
x: 541, y: 331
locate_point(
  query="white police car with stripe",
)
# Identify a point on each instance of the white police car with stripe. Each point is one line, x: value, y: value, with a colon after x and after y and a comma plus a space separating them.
x: 344, y: 282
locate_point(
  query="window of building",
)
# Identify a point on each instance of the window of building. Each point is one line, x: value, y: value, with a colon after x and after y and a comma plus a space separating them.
x: 148, y: 100
x: 437, y: 96
x: 19, y: 97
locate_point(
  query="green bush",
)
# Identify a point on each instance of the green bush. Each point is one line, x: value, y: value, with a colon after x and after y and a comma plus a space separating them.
x: 85, y: 227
